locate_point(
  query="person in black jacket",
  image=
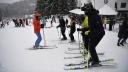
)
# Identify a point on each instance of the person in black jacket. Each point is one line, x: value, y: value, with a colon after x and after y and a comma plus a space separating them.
x: 62, y: 26
x: 123, y: 32
x: 96, y: 31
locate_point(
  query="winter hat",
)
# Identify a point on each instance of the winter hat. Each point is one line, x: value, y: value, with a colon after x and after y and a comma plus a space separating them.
x: 37, y: 13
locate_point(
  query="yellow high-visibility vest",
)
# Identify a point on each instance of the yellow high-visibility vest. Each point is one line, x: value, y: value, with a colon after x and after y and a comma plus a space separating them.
x: 85, y: 22
x: 85, y: 25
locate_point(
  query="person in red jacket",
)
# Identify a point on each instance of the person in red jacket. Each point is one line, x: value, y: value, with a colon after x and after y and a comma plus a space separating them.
x: 36, y: 24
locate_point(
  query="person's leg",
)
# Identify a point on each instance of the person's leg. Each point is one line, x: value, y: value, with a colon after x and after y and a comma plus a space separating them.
x: 71, y: 35
x: 39, y: 38
x: 98, y: 38
x: 118, y: 43
x: 51, y: 23
x: 93, y: 53
x: 110, y: 27
x: 86, y: 40
x: 123, y: 41
x: 104, y: 26
x: 92, y: 48
x: 63, y: 33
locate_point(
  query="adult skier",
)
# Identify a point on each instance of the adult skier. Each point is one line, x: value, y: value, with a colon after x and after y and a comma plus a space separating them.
x: 36, y: 24
x: 95, y: 31
x: 62, y: 26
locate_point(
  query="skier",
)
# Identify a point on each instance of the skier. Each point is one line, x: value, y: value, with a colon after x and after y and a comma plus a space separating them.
x: 14, y: 22
x: 105, y: 20
x: 2, y: 24
x: 62, y: 26
x: 36, y: 24
x: 123, y: 32
x: 21, y: 23
x: 95, y: 32
x: 111, y: 24
x: 53, y: 20
x: 26, y: 21
x: 72, y: 28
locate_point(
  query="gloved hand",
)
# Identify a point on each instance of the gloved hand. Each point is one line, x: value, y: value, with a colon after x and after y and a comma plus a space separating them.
x: 42, y: 25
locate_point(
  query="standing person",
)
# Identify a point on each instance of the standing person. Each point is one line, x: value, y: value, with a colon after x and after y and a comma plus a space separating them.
x: 26, y: 20
x: 123, y: 32
x: 105, y: 22
x: 111, y: 24
x: 15, y: 22
x: 21, y: 23
x: 53, y: 20
x: 2, y: 25
x: 95, y: 32
x: 62, y: 26
x: 72, y: 28
x: 36, y: 24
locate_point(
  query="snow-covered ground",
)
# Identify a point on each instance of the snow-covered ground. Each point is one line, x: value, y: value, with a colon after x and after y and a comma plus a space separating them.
x: 15, y: 56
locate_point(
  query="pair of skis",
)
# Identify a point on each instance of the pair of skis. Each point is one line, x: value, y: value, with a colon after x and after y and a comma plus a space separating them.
x: 43, y: 47
x: 83, y: 65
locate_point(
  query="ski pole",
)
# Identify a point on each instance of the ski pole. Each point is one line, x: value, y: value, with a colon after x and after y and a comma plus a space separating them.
x: 88, y: 57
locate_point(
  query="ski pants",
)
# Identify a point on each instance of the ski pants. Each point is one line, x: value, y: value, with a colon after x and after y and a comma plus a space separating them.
x: 93, y: 42
x: 63, y: 32
x: 85, y: 40
x: 72, y: 31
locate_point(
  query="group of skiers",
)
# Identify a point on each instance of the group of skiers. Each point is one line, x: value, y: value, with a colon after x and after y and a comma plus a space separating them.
x: 92, y: 30
x: 20, y: 22
x: 109, y: 21
x: 62, y: 24
x: 4, y: 23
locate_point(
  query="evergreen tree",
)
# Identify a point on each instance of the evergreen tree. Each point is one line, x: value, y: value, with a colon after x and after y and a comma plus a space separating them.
x: 51, y: 7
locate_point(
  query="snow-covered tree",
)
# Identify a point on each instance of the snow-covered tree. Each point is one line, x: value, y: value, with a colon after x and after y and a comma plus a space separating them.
x: 49, y: 7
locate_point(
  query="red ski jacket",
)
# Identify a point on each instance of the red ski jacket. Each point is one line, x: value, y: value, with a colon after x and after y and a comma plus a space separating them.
x: 36, y: 24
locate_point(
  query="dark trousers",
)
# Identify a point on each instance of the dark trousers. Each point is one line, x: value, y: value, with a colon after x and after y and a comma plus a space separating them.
x: 63, y: 32
x: 110, y: 27
x: 85, y: 40
x: 93, y: 42
x: 72, y: 31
